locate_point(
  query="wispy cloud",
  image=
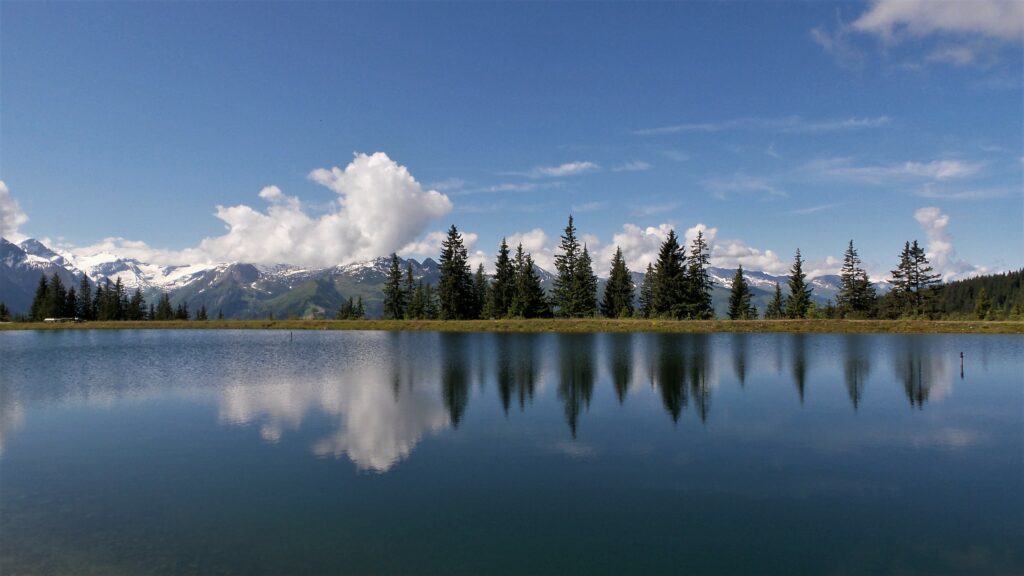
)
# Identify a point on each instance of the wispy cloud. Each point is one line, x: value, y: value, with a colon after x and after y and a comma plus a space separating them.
x: 646, y: 210
x: 724, y: 187
x: 561, y: 170
x: 844, y: 168
x: 448, y: 184
x: 929, y: 191
x: 675, y: 155
x: 589, y: 206
x: 634, y: 166
x: 819, y: 208
x: 892, y: 19
x: 788, y: 124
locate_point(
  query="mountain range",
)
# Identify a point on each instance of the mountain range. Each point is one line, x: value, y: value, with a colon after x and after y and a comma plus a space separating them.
x: 245, y: 291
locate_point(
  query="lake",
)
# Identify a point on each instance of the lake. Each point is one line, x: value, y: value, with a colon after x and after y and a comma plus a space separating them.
x: 244, y: 452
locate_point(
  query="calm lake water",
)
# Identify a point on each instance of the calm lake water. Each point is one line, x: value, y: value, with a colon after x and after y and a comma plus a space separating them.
x: 368, y: 452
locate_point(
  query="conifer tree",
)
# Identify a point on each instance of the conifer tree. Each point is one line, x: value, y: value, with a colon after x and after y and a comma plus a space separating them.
x: 698, y: 281
x: 84, y: 310
x: 983, y: 305
x: 504, y: 285
x: 5, y: 313
x: 136, y: 306
x: 566, y: 292
x: 181, y: 313
x: 740, y: 305
x: 913, y: 280
x: 39, y: 300
x: 480, y: 287
x: 647, y: 293
x: 799, y: 301
x: 618, y: 292
x: 163, y: 308
x: 409, y: 288
x: 359, y: 312
x: 669, y: 286
x: 70, y: 304
x: 55, y: 298
x: 151, y: 315
x: 455, y: 285
x: 347, y: 310
x: 98, y: 298
x: 201, y: 313
x: 856, y: 295
x: 394, y: 294
x: 775, y: 309
x: 529, y: 300
x: 586, y: 286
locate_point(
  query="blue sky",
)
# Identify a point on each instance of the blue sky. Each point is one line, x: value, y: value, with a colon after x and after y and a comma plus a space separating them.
x: 778, y: 125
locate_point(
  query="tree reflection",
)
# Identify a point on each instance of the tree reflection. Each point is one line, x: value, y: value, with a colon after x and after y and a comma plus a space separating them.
x: 516, y: 368
x: 856, y: 367
x: 698, y: 370
x: 455, y: 375
x: 576, y: 384
x: 669, y: 374
x: 739, y: 357
x: 924, y: 374
x: 799, y: 342
x: 621, y: 363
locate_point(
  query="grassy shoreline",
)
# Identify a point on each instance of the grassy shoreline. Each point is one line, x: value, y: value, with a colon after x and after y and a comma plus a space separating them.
x: 563, y: 325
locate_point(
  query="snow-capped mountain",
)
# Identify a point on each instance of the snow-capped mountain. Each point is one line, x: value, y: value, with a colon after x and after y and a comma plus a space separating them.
x: 241, y: 290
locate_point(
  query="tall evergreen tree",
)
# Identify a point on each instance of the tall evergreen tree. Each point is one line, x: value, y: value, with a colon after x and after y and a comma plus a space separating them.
x: 5, y: 313
x: 669, y: 286
x: 504, y: 286
x: 56, y: 296
x: 164, y: 311
x: 586, y: 286
x: 480, y: 287
x: 983, y: 305
x: 856, y: 295
x: 698, y: 281
x: 455, y: 286
x: 409, y: 288
x: 618, y: 292
x: 98, y: 299
x: 360, y: 311
x: 39, y: 300
x: 201, y: 313
x: 566, y: 291
x: 647, y: 293
x: 181, y: 312
x: 913, y: 280
x: 136, y: 306
x: 84, y: 310
x: 740, y: 305
x: 394, y: 294
x: 776, y: 307
x: 529, y: 300
x: 70, y: 304
x: 799, y: 301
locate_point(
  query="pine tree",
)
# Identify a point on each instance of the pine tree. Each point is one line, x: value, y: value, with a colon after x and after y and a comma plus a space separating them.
x: 913, y: 280
x: 201, y: 314
x: 799, y: 301
x: 70, y: 304
x: 98, y: 299
x: 586, y: 286
x: 669, y: 286
x: 359, y: 312
x: 5, y: 313
x: 394, y: 295
x: 647, y: 293
x: 740, y: 305
x: 136, y: 306
x: 983, y: 305
x: 181, y: 313
x: 775, y: 309
x: 698, y: 281
x: 504, y: 285
x: 856, y: 294
x: 455, y: 285
x: 618, y: 292
x: 566, y: 291
x: 84, y: 310
x: 480, y: 287
x: 347, y: 310
x: 151, y: 315
x: 163, y: 308
x: 55, y: 298
x: 39, y: 300
x: 409, y: 288
x: 529, y: 300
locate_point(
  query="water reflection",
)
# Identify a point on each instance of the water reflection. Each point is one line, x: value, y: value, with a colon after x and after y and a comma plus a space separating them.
x: 455, y: 370
x: 924, y: 372
x: 576, y: 375
x: 799, y: 364
x: 856, y: 366
x: 517, y: 368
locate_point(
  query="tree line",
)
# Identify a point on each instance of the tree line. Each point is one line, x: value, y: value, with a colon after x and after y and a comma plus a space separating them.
x: 108, y: 302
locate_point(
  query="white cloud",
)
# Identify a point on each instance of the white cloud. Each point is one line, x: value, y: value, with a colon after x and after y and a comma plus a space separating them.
x: 890, y: 19
x: 818, y: 208
x: 843, y: 168
x: 633, y: 166
x: 448, y: 184
x: 11, y: 215
x: 645, y: 210
x: 940, y: 250
x: 732, y: 253
x: 787, y: 124
x: 567, y: 169
x: 929, y: 191
x: 723, y: 187
x: 589, y: 207
x: 639, y: 245
x: 430, y: 247
x: 380, y: 208
x: 536, y: 243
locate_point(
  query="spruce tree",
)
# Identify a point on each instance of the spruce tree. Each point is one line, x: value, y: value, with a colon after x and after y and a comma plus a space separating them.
x: 347, y: 310
x: 586, y: 286
x: 163, y: 308
x: 409, y: 289
x: 394, y: 294
x: 56, y: 295
x: 5, y: 313
x: 181, y: 313
x: 775, y: 309
x: 669, y: 287
x: 201, y: 314
x: 529, y: 300
x: 566, y: 292
x: 856, y: 294
x: 455, y: 285
x: 698, y: 281
x: 983, y: 305
x: 84, y: 310
x: 359, y: 312
x: 504, y: 285
x: 740, y: 306
x: 618, y: 292
x: 39, y: 300
x: 136, y: 306
x: 480, y: 287
x: 98, y: 298
x: 70, y: 304
x: 647, y: 293
x: 913, y: 280
x: 799, y: 301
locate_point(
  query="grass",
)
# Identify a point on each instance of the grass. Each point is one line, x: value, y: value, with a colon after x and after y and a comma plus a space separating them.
x: 564, y: 325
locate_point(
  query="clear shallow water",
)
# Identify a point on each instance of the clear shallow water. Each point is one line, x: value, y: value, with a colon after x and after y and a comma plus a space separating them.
x: 346, y: 452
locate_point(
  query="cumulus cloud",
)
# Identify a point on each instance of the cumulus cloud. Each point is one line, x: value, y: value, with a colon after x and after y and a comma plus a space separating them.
x: 536, y: 242
x: 11, y: 215
x: 940, y: 250
x: 732, y: 253
x: 998, y: 19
